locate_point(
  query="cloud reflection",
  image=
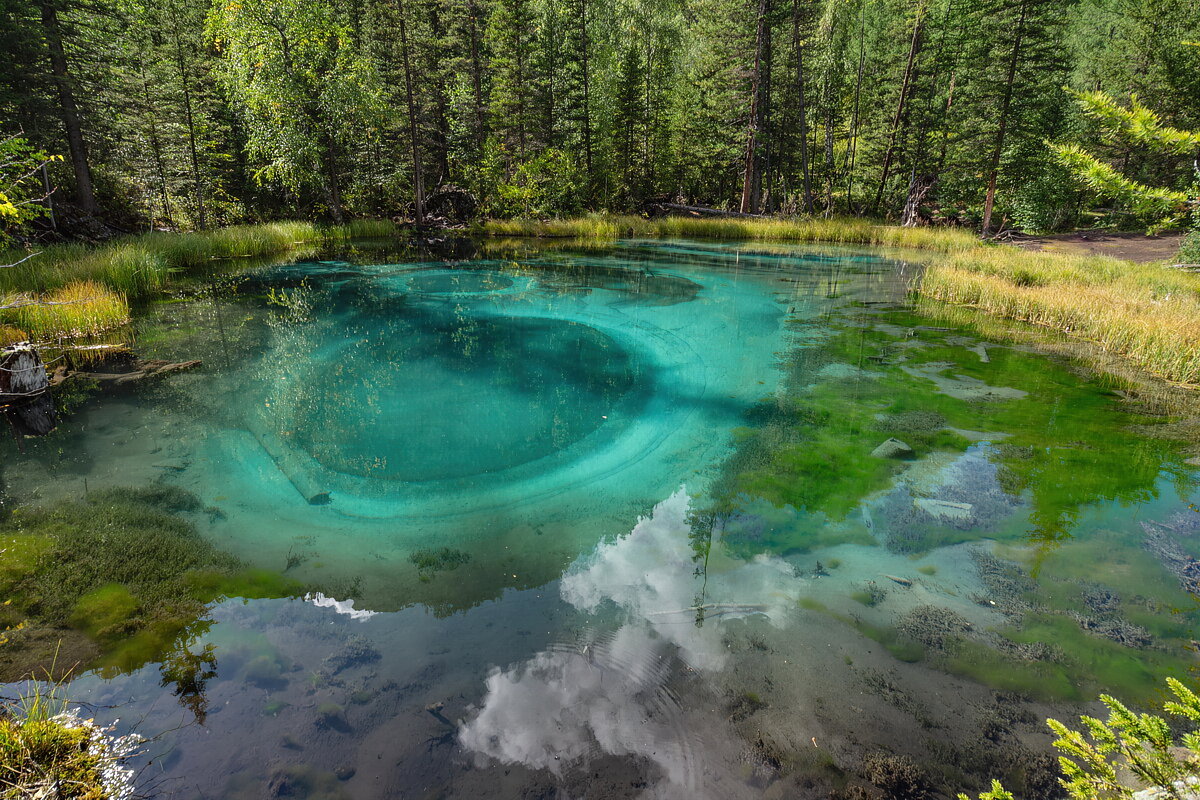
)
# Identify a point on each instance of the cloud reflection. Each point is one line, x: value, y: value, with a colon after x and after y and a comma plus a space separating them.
x: 613, y: 695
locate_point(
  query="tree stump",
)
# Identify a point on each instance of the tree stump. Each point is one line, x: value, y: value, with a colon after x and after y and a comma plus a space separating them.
x: 22, y: 374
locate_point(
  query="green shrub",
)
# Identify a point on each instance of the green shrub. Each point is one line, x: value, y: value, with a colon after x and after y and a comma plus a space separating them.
x: 1093, y: 759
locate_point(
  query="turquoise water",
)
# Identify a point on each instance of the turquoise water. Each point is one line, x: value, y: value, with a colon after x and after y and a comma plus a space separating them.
x: 611, y: 522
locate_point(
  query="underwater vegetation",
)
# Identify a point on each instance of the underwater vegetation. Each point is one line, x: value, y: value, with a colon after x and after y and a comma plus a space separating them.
x: 1061, y: 439
x: 121, y: 567
x: 431, y: 561
x: 1099, y: 760
x: 1001, y: 445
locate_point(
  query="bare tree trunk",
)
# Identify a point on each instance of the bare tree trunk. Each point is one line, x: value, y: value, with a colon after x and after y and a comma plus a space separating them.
x: 476, y: 74
x: 801, y: 109
x: 994, y: 169
x: 84, y: 193
x: 157, y: 150
x: 853, y: 148
x: 189, y: 118
x: 587, y: 110
x: 418, y: 187
x: 914, y: 50
x: 333, y: 186
x: 751, y: 181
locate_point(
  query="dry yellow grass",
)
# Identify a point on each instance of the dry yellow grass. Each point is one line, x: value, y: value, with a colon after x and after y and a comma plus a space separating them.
x: 10, y: 335
x: 845, y: 230
x: 1147, y: 313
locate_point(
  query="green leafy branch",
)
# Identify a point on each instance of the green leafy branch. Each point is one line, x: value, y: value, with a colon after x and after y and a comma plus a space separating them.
x: 1092, y: 759
x: 1136, y: 124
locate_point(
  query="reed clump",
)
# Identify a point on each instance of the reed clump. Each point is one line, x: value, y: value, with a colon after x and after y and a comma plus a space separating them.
x: 82, y: 308
x: 1147, y: 313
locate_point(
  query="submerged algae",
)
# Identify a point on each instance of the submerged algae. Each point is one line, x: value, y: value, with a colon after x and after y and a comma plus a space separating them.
x: 1061, y: 440
x: 122, y: 567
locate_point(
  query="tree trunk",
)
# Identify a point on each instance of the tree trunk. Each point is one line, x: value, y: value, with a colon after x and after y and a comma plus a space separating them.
x: 333, y: 186
x: 852, y: 153
x: 990, y: 200
x: 914, y: 50
x: 156, y: 150
x: 801, y: 110
x: 418, y: 187
x: 84, y: 194
x: 476, y: 75
x: 190, y: 119
x: 751, y: 181
x: 587, y: 111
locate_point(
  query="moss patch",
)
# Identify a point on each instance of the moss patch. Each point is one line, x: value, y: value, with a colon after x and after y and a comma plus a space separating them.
x: 123, y: 567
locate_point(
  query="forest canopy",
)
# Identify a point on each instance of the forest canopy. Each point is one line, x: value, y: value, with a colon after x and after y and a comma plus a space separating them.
x: 177, y: 114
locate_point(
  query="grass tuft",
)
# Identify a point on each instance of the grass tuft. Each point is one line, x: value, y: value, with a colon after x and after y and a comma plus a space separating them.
x: 83, y: 308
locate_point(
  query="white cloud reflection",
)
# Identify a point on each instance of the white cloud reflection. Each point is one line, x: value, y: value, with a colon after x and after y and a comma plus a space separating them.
x: 612, y: 696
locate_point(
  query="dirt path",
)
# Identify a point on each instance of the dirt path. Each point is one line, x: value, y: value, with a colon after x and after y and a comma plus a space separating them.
x: 1130, y: 246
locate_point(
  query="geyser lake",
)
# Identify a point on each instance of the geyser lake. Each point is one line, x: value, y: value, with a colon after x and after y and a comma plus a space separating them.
x: 614, y: 522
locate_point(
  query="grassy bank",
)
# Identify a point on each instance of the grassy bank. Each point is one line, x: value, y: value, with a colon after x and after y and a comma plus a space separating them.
x: 73, y: 289
x: 1147, y: 313
x: 840, y: 230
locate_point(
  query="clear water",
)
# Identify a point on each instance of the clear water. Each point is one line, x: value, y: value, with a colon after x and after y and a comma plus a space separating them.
x: 607, y: 523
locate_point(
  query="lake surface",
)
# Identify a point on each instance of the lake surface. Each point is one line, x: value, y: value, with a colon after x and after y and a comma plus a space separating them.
x: 662, y: 519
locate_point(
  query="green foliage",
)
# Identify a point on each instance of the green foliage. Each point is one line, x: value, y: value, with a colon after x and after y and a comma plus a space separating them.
x: 1164, y: 206
x: 302, y: 87
x: 997, y: 792
x: 19, y: 165
x: 1136, y: 126
x: 1094, y: 758
x: 1141, y: 742
x: 548, y: 184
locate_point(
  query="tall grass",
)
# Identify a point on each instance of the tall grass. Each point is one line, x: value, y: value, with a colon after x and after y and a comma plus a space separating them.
x: 82, y: 308
x: 1148, y: 313
x: 138, y: 266
x: 847, y: 230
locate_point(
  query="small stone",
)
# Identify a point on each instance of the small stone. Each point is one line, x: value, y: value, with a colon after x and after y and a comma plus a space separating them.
x: 1193, y: 462
x: 344, y: 773
x: 892, y: 448
x: 944, y: 508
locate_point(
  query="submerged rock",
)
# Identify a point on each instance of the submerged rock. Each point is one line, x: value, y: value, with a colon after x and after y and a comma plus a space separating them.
x: 944, y: 509
x: 892, y: 448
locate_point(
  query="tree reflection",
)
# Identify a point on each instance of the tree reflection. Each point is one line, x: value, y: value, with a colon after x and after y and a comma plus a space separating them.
x: 188, y: 671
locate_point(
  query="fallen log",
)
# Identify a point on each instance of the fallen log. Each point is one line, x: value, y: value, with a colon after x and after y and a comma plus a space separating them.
x: 141, y: 371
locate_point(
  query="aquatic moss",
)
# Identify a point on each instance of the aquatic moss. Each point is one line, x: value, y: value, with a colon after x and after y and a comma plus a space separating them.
x: 123, y: 567
x: 1067, y: 443
x: 442, y: 559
